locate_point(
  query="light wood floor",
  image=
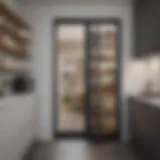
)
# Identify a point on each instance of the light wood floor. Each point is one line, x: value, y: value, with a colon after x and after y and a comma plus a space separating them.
x: 81, y: 150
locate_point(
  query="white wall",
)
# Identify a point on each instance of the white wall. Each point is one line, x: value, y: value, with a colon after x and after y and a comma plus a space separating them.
x: 40, y: 14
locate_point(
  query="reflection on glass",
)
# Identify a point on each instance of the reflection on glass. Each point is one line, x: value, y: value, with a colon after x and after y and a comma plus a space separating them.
x: 71, y: 78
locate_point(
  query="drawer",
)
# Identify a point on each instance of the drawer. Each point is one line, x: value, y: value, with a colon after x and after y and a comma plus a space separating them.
x: 21, y: 141
x: 15, y: 145
x: 16, y: 126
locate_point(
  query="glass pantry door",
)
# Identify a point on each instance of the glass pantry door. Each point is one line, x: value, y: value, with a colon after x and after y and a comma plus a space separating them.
x: 71, y: 74
x: 102, y: 79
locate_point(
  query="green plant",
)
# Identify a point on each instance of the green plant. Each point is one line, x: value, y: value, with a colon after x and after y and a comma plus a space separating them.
x: 67, y: 98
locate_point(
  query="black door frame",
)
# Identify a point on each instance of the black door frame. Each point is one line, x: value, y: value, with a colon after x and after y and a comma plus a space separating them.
x: 86, y: 22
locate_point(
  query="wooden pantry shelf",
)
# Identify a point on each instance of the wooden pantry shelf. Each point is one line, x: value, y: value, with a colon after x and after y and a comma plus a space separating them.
x: 99, y: 57
x: 105, y: 88
x: 13, y: 16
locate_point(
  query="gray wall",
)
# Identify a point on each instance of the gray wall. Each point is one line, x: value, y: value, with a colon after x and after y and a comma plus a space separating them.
x: 12, y: 3
x: 40, y: 14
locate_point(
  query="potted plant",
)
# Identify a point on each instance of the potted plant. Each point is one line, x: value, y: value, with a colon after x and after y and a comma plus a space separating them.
x: 67, y: 98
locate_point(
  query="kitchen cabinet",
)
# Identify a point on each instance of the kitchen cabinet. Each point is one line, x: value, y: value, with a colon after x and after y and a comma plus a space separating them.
x: 17, y: 123
x: 147, y: 24
x: 144, y: 128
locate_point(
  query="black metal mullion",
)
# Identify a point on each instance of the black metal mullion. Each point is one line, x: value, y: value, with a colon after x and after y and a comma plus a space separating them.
x: 88, y: 75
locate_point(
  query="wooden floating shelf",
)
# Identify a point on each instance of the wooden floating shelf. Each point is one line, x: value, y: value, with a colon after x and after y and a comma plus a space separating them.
x: 13, y: 16
x: 4, y: 69
x: 6, y: 30
x: 10, y: 27
x: 14, y: 39
x: 7, y: 50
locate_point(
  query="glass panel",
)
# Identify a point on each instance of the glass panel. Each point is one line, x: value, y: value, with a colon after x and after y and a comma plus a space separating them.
x: 102, y: 79
x: 71, y: 87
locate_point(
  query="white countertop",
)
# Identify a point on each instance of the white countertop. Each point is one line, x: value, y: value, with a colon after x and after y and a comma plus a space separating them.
x: 3, y: 99
x: 153, y: 101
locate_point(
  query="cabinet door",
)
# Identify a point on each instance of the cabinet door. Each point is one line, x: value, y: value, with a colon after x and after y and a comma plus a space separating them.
x: 157, y: 13
x: 146, y: 27
x: 145, y: 131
